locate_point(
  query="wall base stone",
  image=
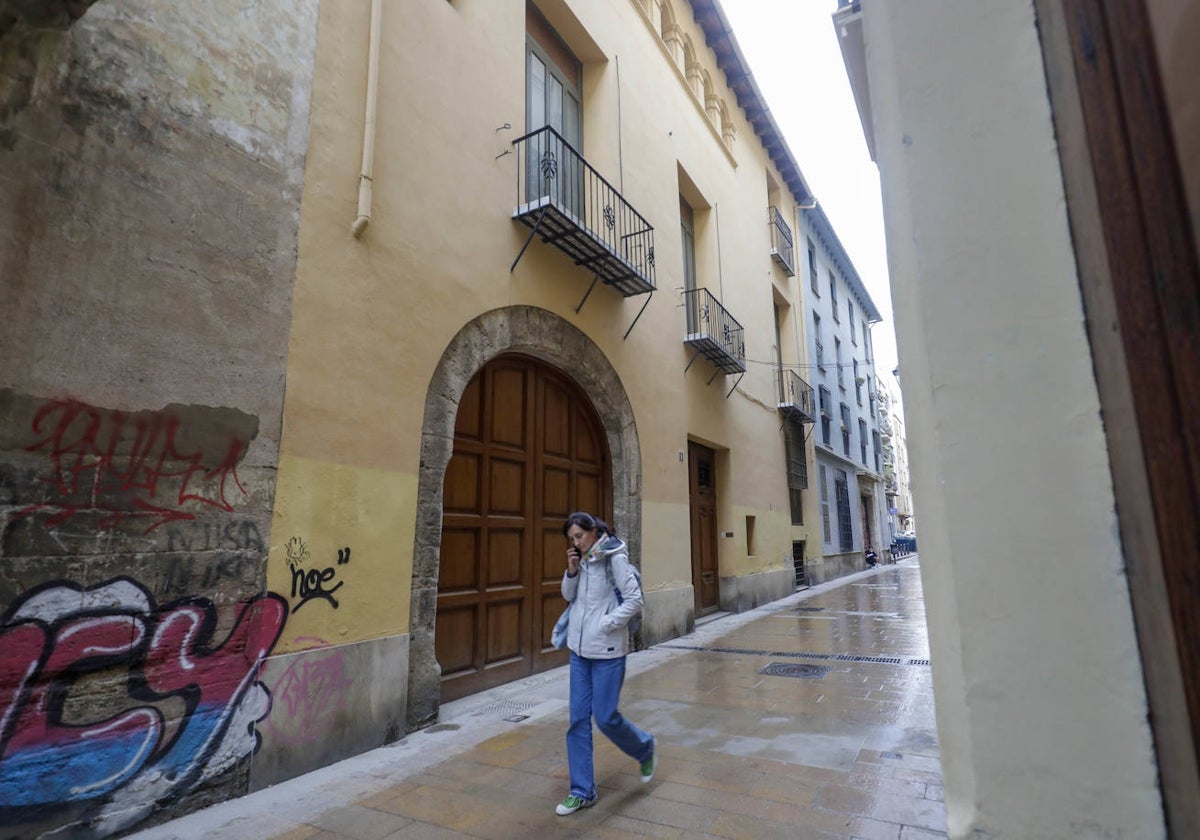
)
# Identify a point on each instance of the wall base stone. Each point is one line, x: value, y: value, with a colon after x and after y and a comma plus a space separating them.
x: 819, y: 570
x: 745, y: 592
x: 330, y: 703
x: 668, y: 614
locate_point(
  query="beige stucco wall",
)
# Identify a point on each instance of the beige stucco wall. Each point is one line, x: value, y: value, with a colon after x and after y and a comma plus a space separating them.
x: 1040, y: 702
x: 374, y: 318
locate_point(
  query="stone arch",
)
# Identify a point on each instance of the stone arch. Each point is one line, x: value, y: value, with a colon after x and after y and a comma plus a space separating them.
x: 546, y: 336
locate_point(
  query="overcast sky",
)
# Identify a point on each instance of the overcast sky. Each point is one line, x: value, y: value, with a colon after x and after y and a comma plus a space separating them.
x: 793, y: 53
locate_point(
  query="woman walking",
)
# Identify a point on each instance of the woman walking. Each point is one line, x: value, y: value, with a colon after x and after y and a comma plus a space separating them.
x: 597, y: 569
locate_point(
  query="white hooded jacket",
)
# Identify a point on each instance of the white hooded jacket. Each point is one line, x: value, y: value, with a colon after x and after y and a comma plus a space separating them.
x: 597, y: 622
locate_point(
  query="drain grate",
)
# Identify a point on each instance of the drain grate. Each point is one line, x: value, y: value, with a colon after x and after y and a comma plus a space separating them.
x: 800, y: 670
x: 790, y: 654
x: 507, y: 708
x: 809, y: 609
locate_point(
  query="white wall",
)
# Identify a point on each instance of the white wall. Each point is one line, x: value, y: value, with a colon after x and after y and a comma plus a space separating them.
x: 1041, y: 707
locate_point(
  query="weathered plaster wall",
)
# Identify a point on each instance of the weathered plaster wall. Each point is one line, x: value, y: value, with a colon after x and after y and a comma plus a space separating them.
x: 1042, y: 715
x: 390, y: 327
x: 151, y: 158
x: 329, y: 703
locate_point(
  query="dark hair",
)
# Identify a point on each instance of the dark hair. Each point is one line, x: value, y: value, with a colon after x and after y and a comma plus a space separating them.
x: 588, y: 523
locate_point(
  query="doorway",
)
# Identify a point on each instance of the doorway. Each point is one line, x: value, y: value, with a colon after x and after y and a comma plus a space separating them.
x: 702, y: 492
x: 528, y: 450
x: 868, y: 516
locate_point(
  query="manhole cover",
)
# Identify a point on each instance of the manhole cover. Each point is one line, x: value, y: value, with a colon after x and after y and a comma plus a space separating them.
x: 801, y: 670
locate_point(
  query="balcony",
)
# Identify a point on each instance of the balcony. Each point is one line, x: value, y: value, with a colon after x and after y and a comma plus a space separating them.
x: 713, y: 332
x: 781, y: 241
x: 796, y: 397
x: 566, y: 202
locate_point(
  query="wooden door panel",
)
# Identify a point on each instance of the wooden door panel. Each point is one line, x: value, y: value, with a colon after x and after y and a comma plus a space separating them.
x: 556, y: 421
x: 468, y: 423
x: 507, y: 410
x: 588, y: 448
x: 588, y: 492
x: 460, y: 551
x: 461, y: 490
x: 506, y: 487
x: 553, y: 555
x: 504, y: 629
x: 455, y: 638
x: 505, y: 548
x: 702, y: 487
x: 556, y: 492
x: 708, y: 560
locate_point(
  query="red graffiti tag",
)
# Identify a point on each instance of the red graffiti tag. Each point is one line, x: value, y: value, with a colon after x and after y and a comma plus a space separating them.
x: 127, y: 466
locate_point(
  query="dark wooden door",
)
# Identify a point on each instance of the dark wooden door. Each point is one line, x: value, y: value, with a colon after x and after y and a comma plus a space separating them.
x: 702, y: 483
x: 528, y: 450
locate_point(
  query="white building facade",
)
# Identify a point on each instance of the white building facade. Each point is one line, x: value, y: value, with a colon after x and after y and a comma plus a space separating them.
x: 895, y: 461
x: 847, y: 446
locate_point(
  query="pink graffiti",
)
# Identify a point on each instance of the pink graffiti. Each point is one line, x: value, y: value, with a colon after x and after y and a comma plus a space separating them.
x: 59, y: 633
x: 118, y: 464
x: 309, y: 692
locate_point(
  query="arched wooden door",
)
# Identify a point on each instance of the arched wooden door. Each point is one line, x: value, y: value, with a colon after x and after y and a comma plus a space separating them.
x: 528, y: 450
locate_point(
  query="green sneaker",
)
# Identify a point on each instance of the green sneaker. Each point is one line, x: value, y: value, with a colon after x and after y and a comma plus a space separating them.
x: 573, y: 803
x: 648, y: 768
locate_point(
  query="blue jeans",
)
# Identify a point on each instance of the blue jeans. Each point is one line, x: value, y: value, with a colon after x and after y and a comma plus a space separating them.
x: 595, y: 690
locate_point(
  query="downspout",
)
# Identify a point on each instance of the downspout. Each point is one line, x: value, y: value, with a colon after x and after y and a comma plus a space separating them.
x: 368, y: 152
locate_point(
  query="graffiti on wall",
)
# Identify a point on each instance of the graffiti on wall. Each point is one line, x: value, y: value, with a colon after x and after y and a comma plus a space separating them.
x: 142, y: 467
x: 310, y: 584
x: 186, y: 713
x: 309, y: 694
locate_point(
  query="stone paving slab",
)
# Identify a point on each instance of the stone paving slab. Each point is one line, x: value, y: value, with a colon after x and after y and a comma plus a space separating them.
x: 842, y: 747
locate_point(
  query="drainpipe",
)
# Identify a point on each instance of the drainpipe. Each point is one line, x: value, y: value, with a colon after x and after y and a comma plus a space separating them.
x: 368, y: 152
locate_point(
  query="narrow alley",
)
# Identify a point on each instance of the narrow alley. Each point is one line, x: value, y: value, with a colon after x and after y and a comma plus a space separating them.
x: 810, y: 717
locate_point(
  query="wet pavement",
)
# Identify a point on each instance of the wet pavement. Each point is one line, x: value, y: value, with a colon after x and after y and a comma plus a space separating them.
x: 810, y: 717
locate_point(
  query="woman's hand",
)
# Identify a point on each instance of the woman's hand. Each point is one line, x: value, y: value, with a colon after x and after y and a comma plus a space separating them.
x: 572, y: 561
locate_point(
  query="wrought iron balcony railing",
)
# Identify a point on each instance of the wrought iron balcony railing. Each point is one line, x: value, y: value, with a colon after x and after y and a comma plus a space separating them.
x: 796, y: 397
x: 781, y: 241
x: 713, y: 332
x: 566, y: 202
